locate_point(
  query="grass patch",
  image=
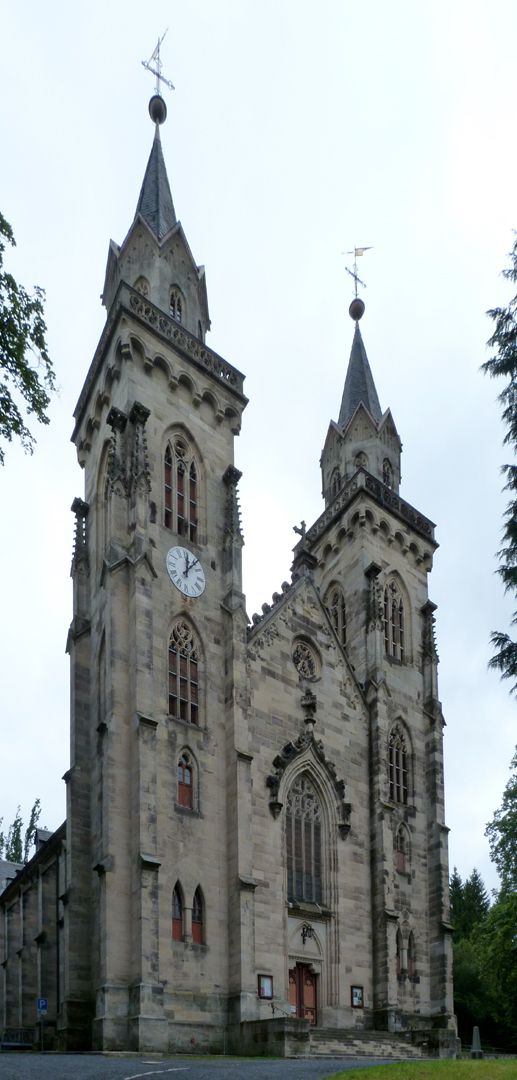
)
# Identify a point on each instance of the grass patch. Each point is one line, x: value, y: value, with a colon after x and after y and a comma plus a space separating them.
x: 435, y: 1070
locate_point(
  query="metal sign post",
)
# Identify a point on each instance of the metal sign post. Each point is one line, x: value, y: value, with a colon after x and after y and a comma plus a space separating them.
x: 42, y: 1005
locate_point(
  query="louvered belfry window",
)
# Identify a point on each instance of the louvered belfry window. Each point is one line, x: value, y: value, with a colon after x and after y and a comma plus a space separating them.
x: 304, y: 843
x: 180, y: 497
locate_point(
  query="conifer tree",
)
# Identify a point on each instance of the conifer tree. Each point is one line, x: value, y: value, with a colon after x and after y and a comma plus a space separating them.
x: 504, y: 364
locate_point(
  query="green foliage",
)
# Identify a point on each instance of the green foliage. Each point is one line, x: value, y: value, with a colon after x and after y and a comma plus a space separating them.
x: 502, y: 834
x: 498, y: 955
x: 504, y: 364
x: 26, y: 373
x: 469, y: 903
x: 12, y: 847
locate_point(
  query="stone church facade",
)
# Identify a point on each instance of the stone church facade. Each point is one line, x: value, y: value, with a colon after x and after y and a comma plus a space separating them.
x: 255, y: 847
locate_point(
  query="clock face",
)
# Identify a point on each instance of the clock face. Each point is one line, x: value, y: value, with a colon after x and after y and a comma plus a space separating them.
x: 185, y: 571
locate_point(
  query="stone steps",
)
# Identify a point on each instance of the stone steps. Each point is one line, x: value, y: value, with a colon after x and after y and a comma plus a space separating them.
x: 336, y: 1042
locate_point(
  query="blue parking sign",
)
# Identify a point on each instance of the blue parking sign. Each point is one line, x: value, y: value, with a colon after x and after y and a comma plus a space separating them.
x: 42, y: 1005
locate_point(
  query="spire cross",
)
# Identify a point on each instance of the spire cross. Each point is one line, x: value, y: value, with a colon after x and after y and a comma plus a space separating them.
x: 157, y: 69
x: 353, y: 273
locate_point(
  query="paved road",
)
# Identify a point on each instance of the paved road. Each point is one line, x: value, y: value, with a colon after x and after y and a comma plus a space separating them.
x: 14, y: 1066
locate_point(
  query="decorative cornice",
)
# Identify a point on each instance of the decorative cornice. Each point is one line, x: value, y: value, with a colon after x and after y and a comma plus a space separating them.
x: 383, y: 495
x: 168, y: 328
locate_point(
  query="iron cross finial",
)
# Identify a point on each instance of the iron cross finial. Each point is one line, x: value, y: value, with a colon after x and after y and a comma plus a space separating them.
x: 154, y: 65
x: 353, y: 273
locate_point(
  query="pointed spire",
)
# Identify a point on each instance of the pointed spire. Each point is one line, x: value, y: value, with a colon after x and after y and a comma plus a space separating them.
x: 359, y: 384
x: 155, y: 203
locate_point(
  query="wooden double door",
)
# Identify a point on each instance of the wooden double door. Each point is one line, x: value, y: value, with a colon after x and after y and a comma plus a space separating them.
x: 303, y: 993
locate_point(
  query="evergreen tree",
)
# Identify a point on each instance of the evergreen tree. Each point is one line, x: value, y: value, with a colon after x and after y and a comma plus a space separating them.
x: 456, y: 902
x: 504, y: 363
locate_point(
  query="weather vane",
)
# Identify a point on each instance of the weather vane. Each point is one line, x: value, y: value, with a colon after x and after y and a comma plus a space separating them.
x: 353, y: 273
x: 154, y: 65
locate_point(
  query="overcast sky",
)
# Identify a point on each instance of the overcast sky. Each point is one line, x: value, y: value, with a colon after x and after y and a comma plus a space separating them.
x: 295, y: 132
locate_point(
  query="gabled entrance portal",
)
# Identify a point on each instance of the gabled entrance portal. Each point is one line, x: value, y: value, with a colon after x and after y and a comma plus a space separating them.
x: 303, y: 997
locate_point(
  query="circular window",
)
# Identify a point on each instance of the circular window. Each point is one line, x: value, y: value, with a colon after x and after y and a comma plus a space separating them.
x: 305, y: 660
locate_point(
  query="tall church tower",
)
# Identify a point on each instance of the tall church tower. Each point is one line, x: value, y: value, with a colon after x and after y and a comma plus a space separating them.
x: 158, y: 618
x: 256, y: 850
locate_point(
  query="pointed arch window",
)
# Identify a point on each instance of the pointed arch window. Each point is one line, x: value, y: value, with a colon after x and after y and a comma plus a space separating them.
x: 402, y: 850
x: 183, y: 673
x: 304, y: 843
x: 335, y: 482
x: 335, y: 605
x: 411, y: 963
x: 394, y: 630
x: 398, y: 767
x: 177, y: 914
x: 399, y: 953
x: 198, y: 919
x: 181, y: 489
x: 176, y: 305
x: 387, y: 472
x: 185, y: 781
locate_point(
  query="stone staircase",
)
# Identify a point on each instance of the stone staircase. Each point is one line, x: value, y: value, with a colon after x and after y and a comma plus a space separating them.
x: 336, y: 1042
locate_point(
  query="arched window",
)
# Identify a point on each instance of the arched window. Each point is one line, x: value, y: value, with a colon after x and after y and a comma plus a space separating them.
x: 393, y: 621
x: 142, y: 286
x: 198, y: 917
x: 335, y: 605
x: 335, y: 482
x: 387, y: 472
x: 398, y: 767
x: 411, y: 963
x: 183, y: 674
x: 180, y: 477
x: 402, y: 850
x: 399, y: 953
x: 176, y: 305
x: 177, y: 914
x: 304, y: 843
x: 185, y: 781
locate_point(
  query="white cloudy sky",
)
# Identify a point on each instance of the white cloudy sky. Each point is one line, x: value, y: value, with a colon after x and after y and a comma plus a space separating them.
x: 296, y: 131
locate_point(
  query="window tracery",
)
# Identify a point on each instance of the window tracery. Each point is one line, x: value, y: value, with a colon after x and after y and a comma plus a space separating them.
x: 183, y: 673
x: 394, y: 634
x: 176, y: 305
x: 185, y: 781
x: 335, y: 481
x: 399, y: 954
x: 305, y: 660
x: 181, y: 489
x: 335, y: 604
x: 387, y: 473
x: 398, y: 766
x: 304, y: 843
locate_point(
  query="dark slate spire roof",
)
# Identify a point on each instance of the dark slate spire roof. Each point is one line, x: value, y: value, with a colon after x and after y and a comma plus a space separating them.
x: 155, y: 203
x: 359, y: 384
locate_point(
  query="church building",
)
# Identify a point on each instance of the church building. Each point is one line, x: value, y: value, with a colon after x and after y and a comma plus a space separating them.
x: 254, y: 857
